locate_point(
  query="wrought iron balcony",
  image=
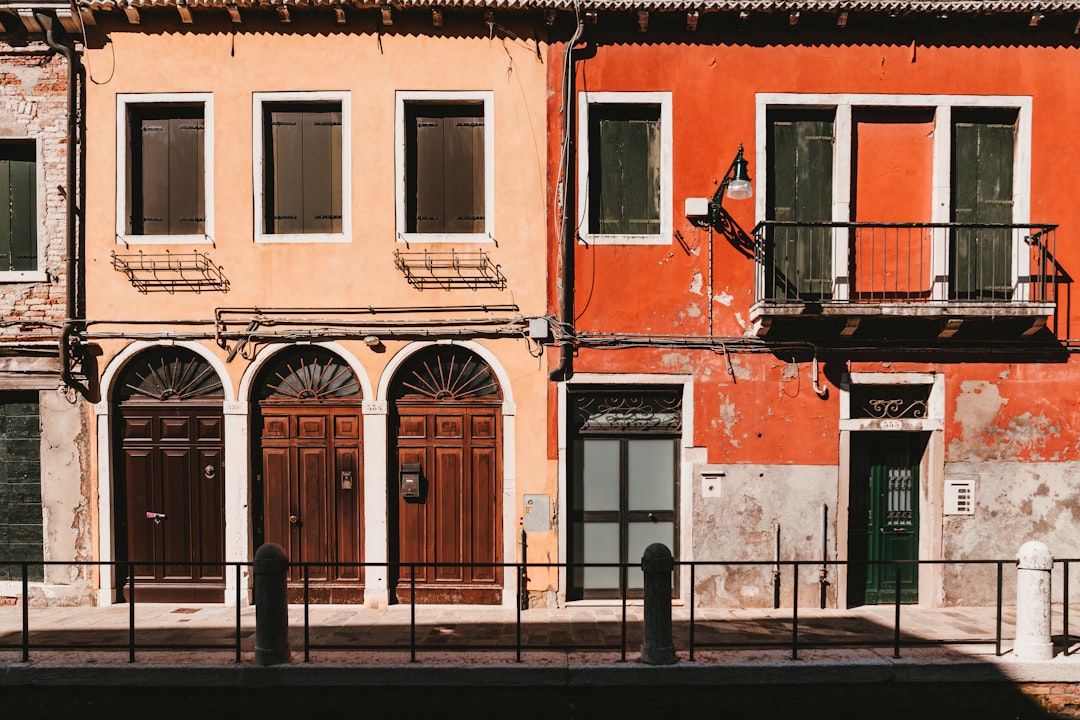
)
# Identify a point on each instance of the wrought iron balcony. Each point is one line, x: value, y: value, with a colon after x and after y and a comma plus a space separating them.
x: 948, y: 273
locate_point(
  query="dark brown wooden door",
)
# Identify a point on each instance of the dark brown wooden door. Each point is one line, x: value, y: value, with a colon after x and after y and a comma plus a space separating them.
x: 174, y: 496
x: 455, y: 522
x: 312, y: 494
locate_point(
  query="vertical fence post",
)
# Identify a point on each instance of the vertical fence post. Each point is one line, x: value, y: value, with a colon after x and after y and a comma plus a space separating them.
x: 25, y: 612
x: 271, y: 605
x: 658, y: 647
x: 795, y: 610
x: 307, y: 612
x: 523, y: 573
x: 412, y: 612
x: 997, y: 631
x: 238, y: 634
x: 692, y: 600
x: 622, y: 639
x: 1065, y: 607
x: 131, y: 612
x: 896, y: 621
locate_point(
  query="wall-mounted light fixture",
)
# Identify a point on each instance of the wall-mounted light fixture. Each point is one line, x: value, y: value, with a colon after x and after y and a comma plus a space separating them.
x: 735, y: 185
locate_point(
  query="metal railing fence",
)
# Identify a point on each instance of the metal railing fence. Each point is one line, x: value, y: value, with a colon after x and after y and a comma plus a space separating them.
x: 688, y: 635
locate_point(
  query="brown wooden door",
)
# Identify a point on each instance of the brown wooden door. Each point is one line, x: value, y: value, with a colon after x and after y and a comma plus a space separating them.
x: 454, y: 523
x: 174, y: 500
x: 312, y: 494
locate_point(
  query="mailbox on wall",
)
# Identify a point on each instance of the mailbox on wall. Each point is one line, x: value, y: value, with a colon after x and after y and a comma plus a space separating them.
x: 410, y: 480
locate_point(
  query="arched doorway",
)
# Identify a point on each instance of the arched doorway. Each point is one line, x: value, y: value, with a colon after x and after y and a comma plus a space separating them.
x: 170, y: 480
x: 446, y: 478
x: 308, y: 486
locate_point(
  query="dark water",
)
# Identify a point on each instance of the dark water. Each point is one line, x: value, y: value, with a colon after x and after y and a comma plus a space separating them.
x: 869, y: 701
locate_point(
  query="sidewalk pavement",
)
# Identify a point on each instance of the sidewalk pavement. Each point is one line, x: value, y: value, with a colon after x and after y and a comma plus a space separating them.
x: 577, y: 636
x: 405, y: 662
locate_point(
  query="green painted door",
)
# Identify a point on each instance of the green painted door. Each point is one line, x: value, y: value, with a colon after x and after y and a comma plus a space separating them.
x: 884, y: 517
x: 799, y: 266
x: 980, y: 259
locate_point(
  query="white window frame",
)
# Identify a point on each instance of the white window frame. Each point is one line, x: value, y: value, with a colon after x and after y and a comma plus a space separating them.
x: 39, y: 275
x: 260, y: 99
x: 585, y: 101
x: 941, y: 174
x: 406, y: 97
x: 123, y: 101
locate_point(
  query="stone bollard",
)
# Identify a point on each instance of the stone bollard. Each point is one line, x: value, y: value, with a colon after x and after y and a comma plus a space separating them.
x: 271, y: 605
x: 1034, y: 563
x: 657, y: 564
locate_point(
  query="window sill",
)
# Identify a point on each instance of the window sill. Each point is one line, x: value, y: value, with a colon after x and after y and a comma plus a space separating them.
x: 479, y: 238
x: 203, y: 239
x: 23, y: 276
x: 293, y: 239
x: 658, y: 239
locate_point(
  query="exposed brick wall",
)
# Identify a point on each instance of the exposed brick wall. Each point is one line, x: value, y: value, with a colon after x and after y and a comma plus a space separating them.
x: 33, y: 104
x: 1060, y: 700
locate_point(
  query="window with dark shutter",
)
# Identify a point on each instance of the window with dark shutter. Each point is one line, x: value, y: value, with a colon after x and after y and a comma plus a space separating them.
x: 18, y: 216
x: 800, y: 190
x: 445, y: 190
x: 303, y: 178
x: 980, y: 258
x: 166, y: 187
x: 624, y: 169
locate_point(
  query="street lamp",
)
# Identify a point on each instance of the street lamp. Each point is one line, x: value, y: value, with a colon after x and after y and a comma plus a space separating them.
x: 736, y: 185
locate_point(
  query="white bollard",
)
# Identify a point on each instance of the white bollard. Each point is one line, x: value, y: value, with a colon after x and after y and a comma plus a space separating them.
x: 1034, y: 563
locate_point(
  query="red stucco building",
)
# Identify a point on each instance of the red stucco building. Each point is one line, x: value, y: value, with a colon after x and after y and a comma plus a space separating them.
x: 868, y: 359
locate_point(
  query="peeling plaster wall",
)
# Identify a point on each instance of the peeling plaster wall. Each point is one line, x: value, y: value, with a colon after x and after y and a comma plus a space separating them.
x: 736, y: 510
x: 67, y: 500
x: 1014, y: 502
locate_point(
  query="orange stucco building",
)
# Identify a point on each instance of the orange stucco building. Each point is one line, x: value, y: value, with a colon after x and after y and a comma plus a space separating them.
x: 315, y: 240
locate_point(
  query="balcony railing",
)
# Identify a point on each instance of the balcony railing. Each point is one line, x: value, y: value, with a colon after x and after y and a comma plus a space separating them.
x: 914, y: 264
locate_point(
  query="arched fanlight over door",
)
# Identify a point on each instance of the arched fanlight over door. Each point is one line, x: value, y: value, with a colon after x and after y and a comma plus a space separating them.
x: 168, y: 374
x: 444, y: 374
x: 310, y: 373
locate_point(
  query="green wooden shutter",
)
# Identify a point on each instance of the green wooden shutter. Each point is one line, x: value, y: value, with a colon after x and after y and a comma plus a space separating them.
x: 624, y: 173
x: 800, y: 189
x: 981, y: 258
x: 18, y: 216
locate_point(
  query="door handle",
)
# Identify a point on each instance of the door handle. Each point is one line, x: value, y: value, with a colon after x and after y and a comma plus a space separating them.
x: 296, y: 521
x: 155, y: 516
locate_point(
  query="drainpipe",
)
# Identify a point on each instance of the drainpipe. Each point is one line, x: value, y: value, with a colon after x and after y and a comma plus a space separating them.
x: 75, y: 71
x: 565, y: 368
